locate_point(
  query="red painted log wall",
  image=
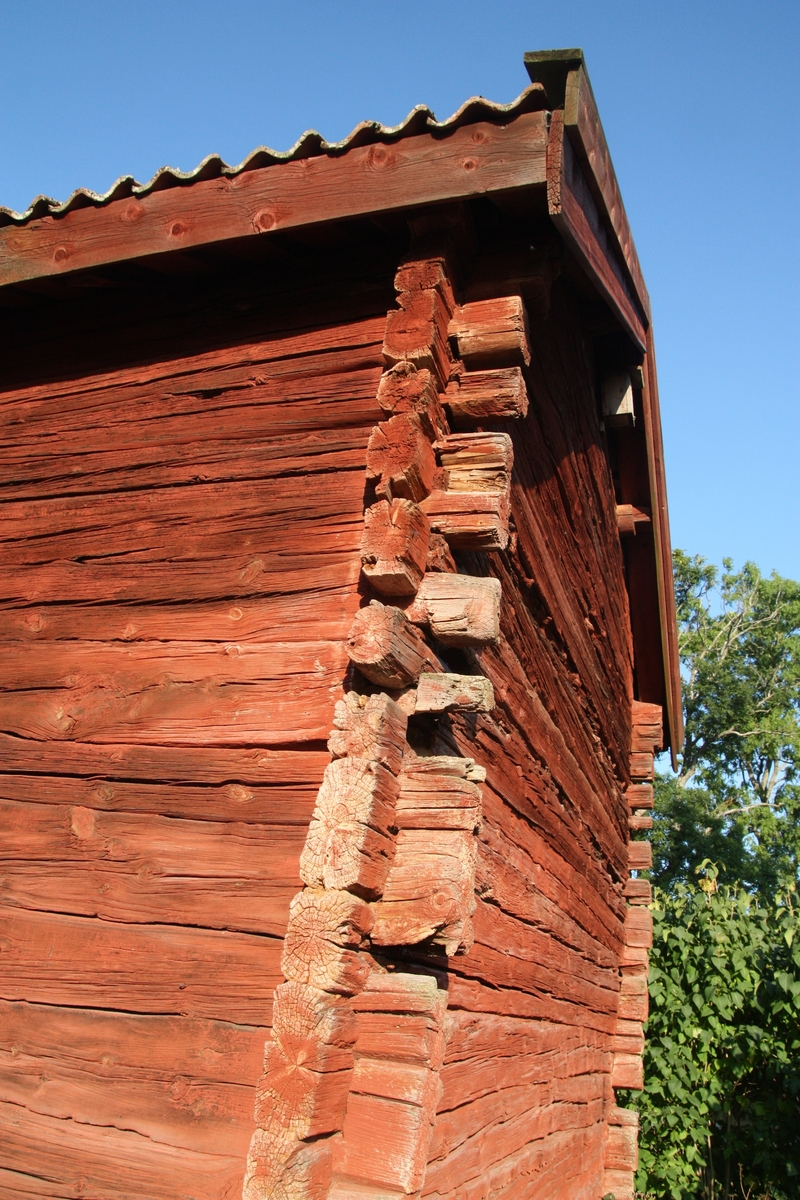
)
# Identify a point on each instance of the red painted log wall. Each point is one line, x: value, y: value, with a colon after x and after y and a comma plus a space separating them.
x: 182, y: 509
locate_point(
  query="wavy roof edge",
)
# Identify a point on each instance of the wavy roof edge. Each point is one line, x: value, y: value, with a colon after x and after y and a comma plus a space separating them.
x: 312, y: 144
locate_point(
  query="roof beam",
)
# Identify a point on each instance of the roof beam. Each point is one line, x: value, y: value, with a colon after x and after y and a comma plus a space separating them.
x: 475, y: 160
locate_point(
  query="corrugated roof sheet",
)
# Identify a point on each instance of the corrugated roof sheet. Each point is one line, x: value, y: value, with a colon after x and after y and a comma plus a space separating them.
x: 310, y: 145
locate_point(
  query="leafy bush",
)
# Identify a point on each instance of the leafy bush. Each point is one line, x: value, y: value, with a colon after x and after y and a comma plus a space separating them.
x: 720, y: 1113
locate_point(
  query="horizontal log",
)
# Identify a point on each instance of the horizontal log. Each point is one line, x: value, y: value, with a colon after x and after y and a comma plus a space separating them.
x: 401, y: 1018
x: 460, y: 610
x: 211, y: 518
x: 622, y: 1148
x: 421, y: 169
x: 429, y: 890
x: 292, y: 361
x: 638, y: 891
x: 175, y: 1080
x: 639, y: 927
x: 326, y: 932
x: 387, y: 648
x: 400, y: 459
x: 385, y: 1146
x: 633, y: 998
x: 297, y: 377
x: 630, y: 519
x: 232, y: 577
x: 476, y: 462
x: 394, y: 548
x: 640, y: 822
x: 440, y: 793
x: 639, y: 795
x: 144, y: 868
x: 277, y: 618
x: 177, y: 765
x: 487, y: 395
x: 629, y: 1038
x: 469, y: 520
x: 278, y: 805
x: 349, y: 846
x: 620, y: 1184
x: 492, y: 333
x: 404, y: 389
x: 175, y: 692
x: 642, y: 767
x: 75, y: 961
x: 369, y: 727
x: 416, y: 331
x: 66, y: 1160
x: 627, y: 1072
x: 640, y: 856
x: 293, y: 1100
x: 437, y: 692
x: 646, y: 714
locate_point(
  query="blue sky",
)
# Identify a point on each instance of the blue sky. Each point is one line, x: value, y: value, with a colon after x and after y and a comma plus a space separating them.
x: 699, y: 102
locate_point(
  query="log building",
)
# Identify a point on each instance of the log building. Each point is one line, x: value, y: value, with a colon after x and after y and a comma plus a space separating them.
x: 338, y: 637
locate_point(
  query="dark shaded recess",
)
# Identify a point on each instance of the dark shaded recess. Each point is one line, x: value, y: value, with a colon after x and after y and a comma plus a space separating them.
x: 191, y: 302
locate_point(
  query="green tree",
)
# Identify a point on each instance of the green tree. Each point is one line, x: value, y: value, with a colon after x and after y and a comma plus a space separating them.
x: 720, y: 1117
x: 736, y: 796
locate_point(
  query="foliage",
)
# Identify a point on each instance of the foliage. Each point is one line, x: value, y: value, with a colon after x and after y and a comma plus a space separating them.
x: 720, y: 1113
x: 736, y: 798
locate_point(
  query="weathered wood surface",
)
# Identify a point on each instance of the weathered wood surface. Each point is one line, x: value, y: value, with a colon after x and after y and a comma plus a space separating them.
x: 349, y: 845
x: 72, y: 1159
x: 417, y: 170
x: 139, y: 868
x: 387, y: 648
x: 177, y: 1080
x: 190, y: 693
x: 540, y: 989
x: 492, y: 333
x: 487, y: 395
x: 80, y: 962
x: 394, y: 549
x: 163, y: 723
x: 458, y: 610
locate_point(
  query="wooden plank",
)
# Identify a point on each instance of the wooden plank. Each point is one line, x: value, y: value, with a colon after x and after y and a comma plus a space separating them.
x: 473, y: 160
x: 582, y: 124
x: 64, y: 960
x: 148, y: 869
x: 574, y: 213
x: 185, y: 693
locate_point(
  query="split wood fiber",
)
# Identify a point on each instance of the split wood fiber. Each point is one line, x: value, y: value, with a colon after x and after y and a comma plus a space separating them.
x: 348, y: 1099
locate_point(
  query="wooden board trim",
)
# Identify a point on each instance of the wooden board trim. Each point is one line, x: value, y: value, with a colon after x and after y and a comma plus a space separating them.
x: 575, y: 214
x: 566, y: 80
x: 425, y: 169
x: 668, y: 619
